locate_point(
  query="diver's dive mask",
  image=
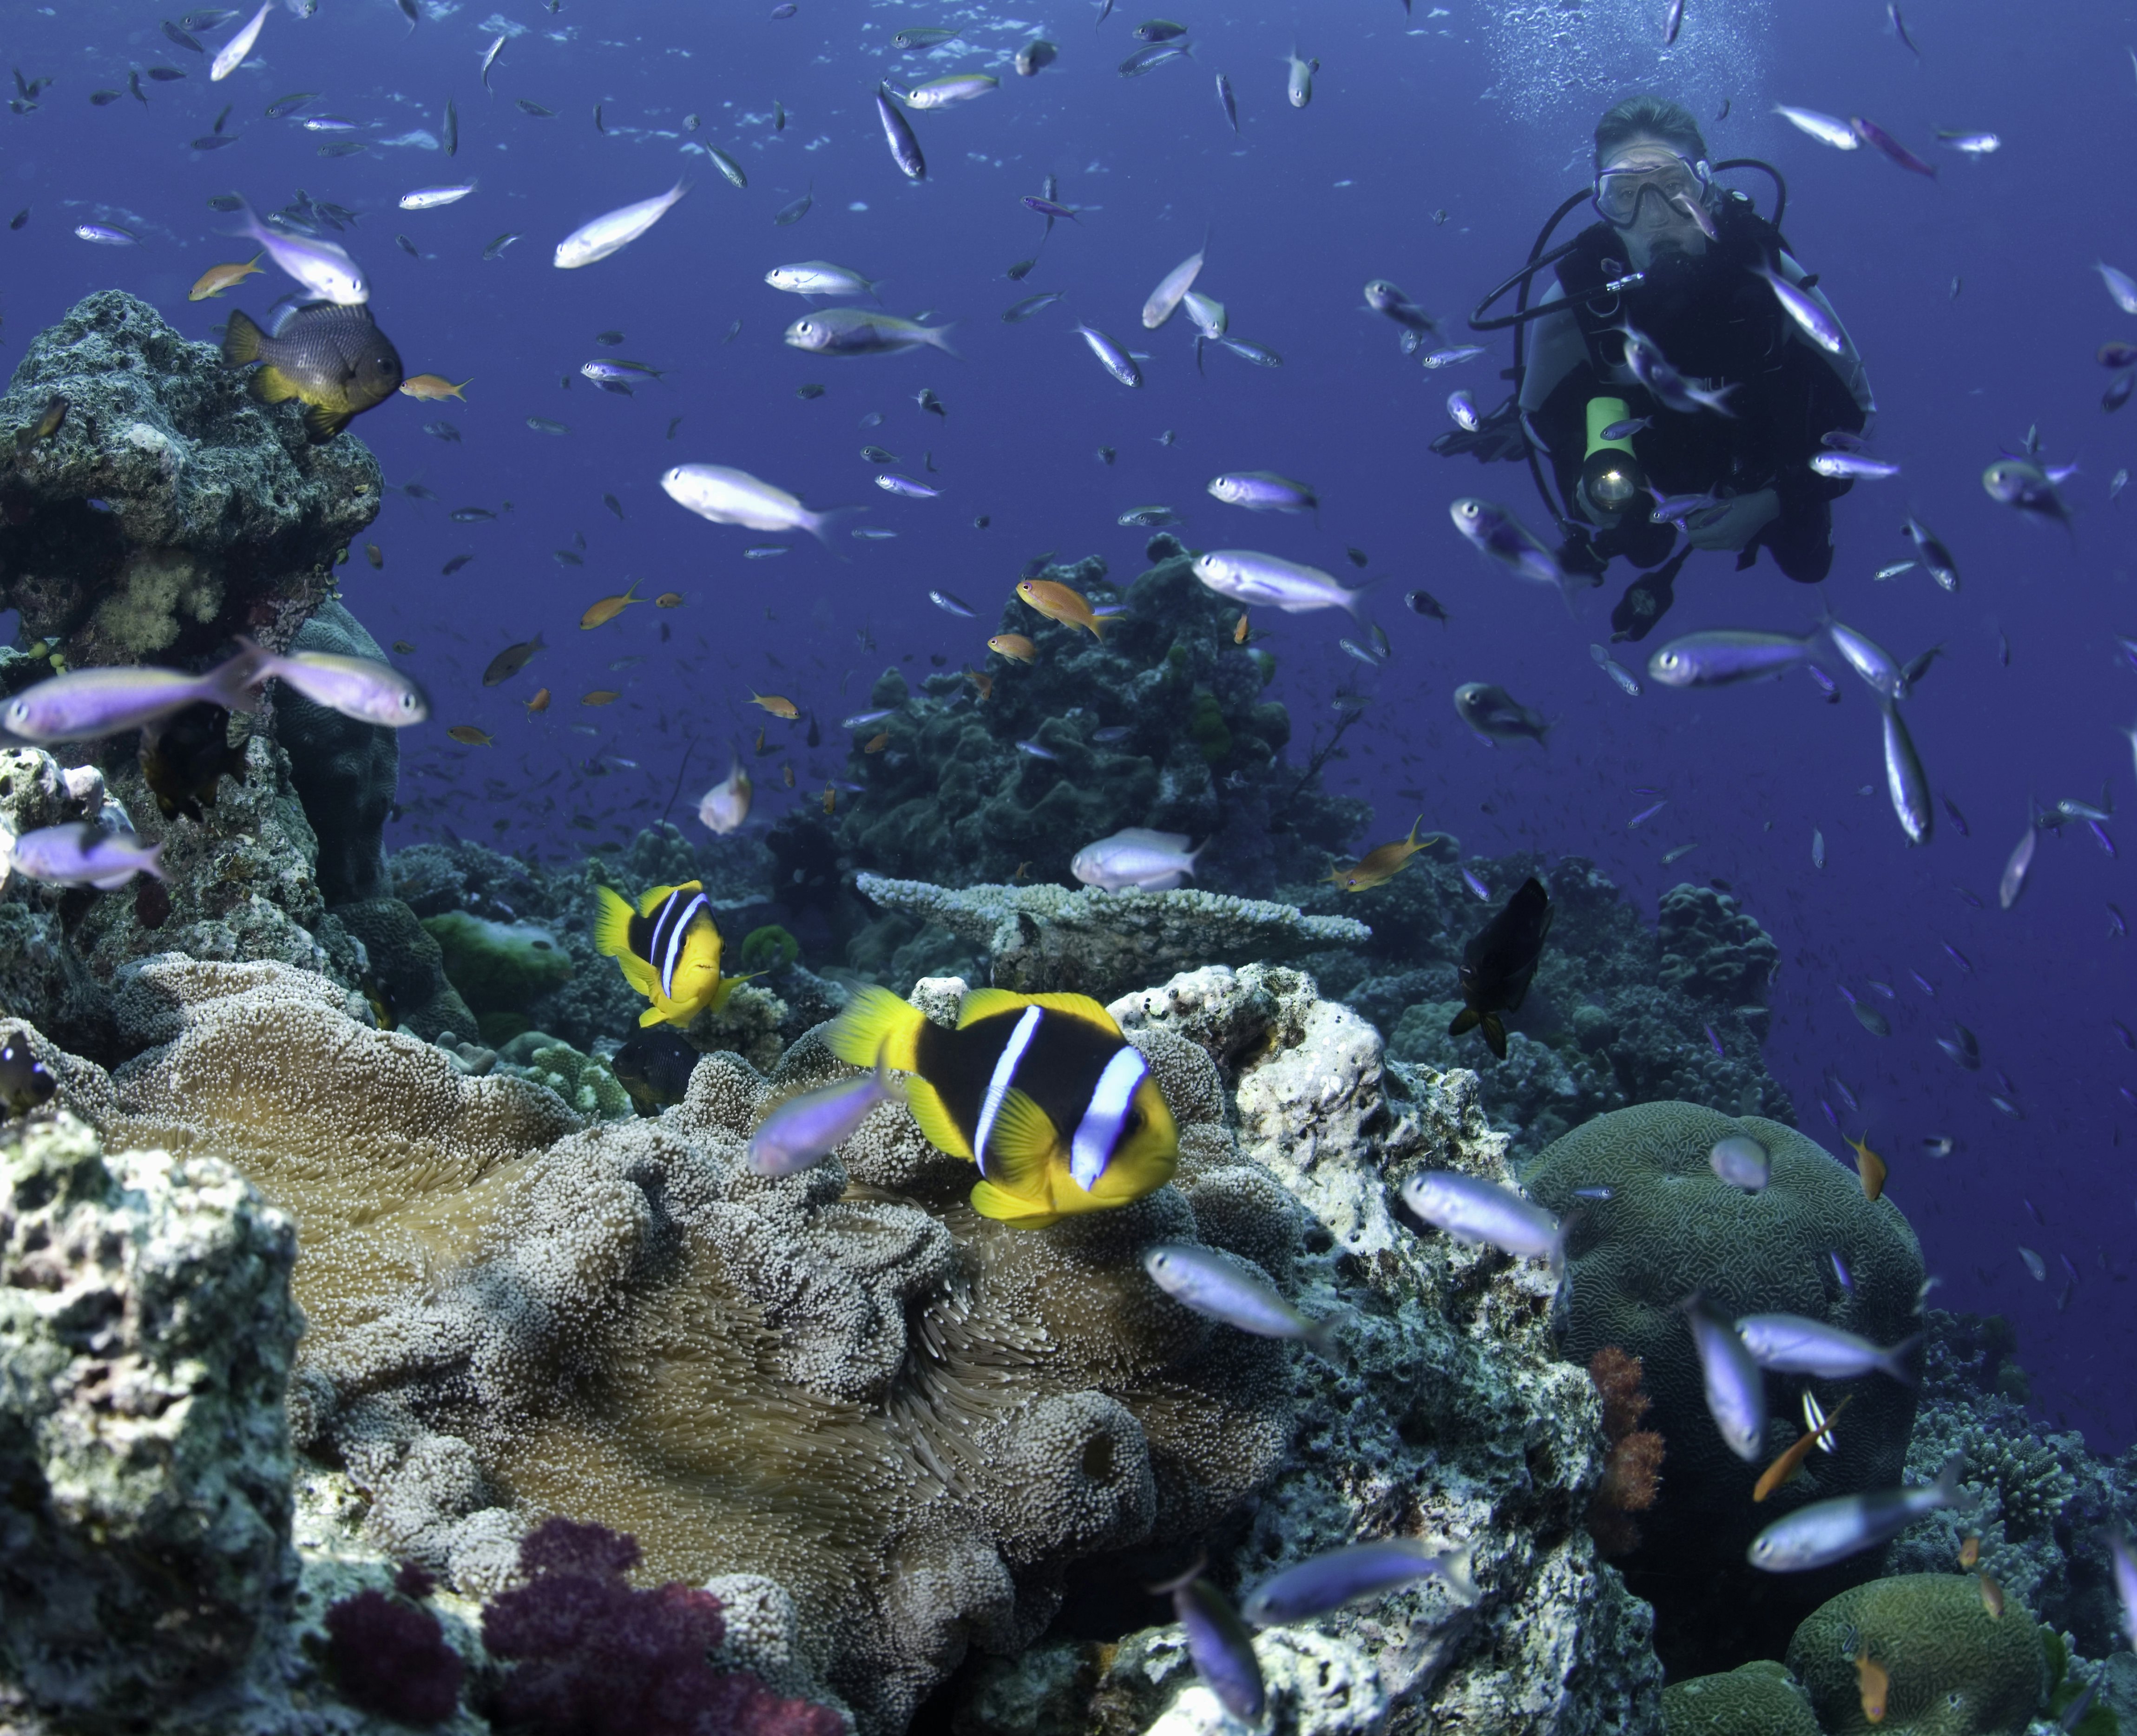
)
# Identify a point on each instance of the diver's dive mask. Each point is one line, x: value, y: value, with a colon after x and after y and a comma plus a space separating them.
x: 1671, y: 179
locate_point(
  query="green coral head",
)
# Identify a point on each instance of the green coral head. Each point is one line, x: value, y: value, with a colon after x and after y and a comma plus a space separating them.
x: 768, y: 948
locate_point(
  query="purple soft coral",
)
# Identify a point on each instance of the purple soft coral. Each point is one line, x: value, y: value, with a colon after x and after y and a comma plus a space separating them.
x: 596, y: 1657
x: 390, y: 1657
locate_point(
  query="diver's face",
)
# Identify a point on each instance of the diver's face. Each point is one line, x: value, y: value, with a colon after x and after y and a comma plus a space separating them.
x: 1658, y: 223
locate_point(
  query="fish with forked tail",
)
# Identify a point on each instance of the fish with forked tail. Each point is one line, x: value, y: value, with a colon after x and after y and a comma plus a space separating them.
x: 1499, y: 963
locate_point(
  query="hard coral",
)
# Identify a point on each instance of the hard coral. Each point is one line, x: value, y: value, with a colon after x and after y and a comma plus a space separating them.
x: 390, y: 1657
x: 595, y: 1657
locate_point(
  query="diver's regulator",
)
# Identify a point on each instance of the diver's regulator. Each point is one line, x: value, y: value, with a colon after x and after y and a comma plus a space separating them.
x: 1611, y: 476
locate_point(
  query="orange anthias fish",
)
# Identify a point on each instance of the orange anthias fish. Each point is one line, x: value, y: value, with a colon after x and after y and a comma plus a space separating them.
x: 669, y: 599
x: 1385, y: 862
x: 1786, y: 1467
x: 1969, y: 1553
x: 778, y: 706
x: 1056, y: 602
x: 831, y: 798
x: 1242, y: 632
x: 216, y: 279
x: 1014, y: 645
x: 540, y: 702
x: 877, y: 742
x: 469, y: 735
x: 608, y: 608
x: 1877, y: 1684
x: 984, y: 683
x: 1870, y: 1167
x: 1992, y: 1597
x: 434, y: 388
x: 601, y: 695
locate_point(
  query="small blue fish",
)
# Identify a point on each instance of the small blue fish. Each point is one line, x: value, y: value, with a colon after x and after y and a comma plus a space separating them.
x: 809, y: 1127
x: 1112, y: 732
x: 1476, y: 886
x: 1959, y: 958
x: 1035, y: 751
x: 1330, y: 1581
x: 950, y: 603
x: 861, y: 719
x: 1841, y: 1274
x: 1598, y: 1194
x: 1924, y: 984
x: 1715, y: 1040
x: 1644, y: 815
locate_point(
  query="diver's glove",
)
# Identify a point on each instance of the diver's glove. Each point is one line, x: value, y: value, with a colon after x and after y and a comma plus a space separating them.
x: 1735, y: 523
x: 1498, y: 439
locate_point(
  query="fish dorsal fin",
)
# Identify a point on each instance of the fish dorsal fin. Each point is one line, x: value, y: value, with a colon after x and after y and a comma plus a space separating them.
x: 1155, y: 840
x: 989, y: 1003
x: 650, y: 900
x: 1079, y: 1007
x: 1019, y: 1146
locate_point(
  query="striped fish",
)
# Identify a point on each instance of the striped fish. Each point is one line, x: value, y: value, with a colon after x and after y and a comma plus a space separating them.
x: 667, y: 949
x: 1042, y: 1091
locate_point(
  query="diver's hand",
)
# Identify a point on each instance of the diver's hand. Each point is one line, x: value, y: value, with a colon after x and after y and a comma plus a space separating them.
x: 1597, y: 516
x: 1736, y: 523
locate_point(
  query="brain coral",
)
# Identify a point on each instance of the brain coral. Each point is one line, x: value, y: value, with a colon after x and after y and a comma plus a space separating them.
x: 1759, y: 1699
x: 1955, y: 1669
x: 845, y: 1381
x: 1671, y: 1226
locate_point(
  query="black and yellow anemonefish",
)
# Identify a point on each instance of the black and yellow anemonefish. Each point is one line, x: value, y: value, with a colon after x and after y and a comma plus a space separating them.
x: 1041, y: 1091
x: 668, y: 949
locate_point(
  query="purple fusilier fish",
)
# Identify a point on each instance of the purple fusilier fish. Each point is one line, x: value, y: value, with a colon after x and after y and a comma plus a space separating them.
x: 1726, y: 656
x: 1264, y: 491
x: 809, y: 1127
x: 2126, y: 1581
x: 1854, y: 467
x: 82, y: 854
x: 1790, y: 1344
x: 1868, y: 659
x: 1118, y: 363
x: 1494, y: 531
x: 360, y: 688
x: 1905, y: 782
x: 1136, y: 856
x: 1328, y: 1582
x: 1825, y: 1532
x: 1809, y: 315
x: 1878, y: 140
x: 84, y: 704
x: 1221, y: 1288
x: 1472, y: 1210
x: 1653, y: 370
x: 1220, y: 1644
x: 1259, y: 581
x: 1735, y: 1388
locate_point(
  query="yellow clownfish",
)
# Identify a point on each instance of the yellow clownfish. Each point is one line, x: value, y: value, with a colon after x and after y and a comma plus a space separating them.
x: 667, y: 949
x: 1058, y: 1110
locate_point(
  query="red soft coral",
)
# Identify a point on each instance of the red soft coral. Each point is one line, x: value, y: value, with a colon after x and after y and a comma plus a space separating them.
x: 596, y: 1657
x: 390, y: 1657
x: 1633, y: 1476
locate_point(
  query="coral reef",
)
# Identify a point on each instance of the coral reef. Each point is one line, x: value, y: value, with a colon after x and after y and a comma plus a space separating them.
x: 582, y: 1081
x: 1043, y: 938
x: 345, y: 770
x: 1671, y: 1227
x: 954, y: 798
x: 1448, y: 1414
x: 499, y: 969
x: 1619, y: 1014
x: 408, y: 965
x: 1632, y: 1480
x: 1759, y: 1698
x: 2041, y: 1503
x: 146, y: 1334
x: 168, y: 511
x: 1955, y: 1669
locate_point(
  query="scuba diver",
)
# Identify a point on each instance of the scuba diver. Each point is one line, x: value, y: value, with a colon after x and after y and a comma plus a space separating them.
x: 1677, y: 258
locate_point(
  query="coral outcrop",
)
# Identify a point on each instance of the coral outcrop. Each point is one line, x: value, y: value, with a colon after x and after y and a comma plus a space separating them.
x: 146, y: 1335
x: 167, y: 511
x: 1671, y: 1226
x: 1759, y: 1698
x: 1954, y: 1669
x: 955, y: 798
x: 1039, y: 939
x: 345, y: 770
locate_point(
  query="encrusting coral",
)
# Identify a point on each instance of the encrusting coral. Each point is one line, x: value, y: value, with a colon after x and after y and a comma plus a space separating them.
x: 1631, y: 1481
x: 1759, y: 1699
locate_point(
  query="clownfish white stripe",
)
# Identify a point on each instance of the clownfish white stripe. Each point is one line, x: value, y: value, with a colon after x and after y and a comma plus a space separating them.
x: 1099, y: 1131
x: 1004, y: 1076
x: 677, y: 934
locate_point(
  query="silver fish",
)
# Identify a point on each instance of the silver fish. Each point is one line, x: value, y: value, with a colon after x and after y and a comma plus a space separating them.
x: 819, y: 277
x: 1735, y: 1389
x: 360, y: 688
x: 1905, y: 781
x: 1494, y: 531
x: 1215, y: 1284
x: 1261, y: 580
x: 809, y: 1126
x: 1854, y: 467
x: 891, y: 483
x: 2016, y: 869
x: 898, y: 132
x: 1117, y: 361
x: 726, y: 496
x: 1220, y: 1644
x: 956, y: 87
x: 1329, y: 1581
x: 1825, y: 1532
x: 1653, y: 370
x: 615, y: 230
x: 1810, y: 316
x: 863, y: 332
x: 1475, y: 1211
x: 1790, y: 1344
x: 231, y: 55
x: 1264, y: 491
x: 1136, y: 857
x: 1935, y: 556
x: 1825, y: 128
x: 1383, y: 297
x: 1725, y: 656
x: 1742, y: 1162
x: 1868, y: 659
x: 324, y: 269
x: 2126, y: 1581
x: 1298, y: 82
x: 1171, y: 290
x: 1492, y: 711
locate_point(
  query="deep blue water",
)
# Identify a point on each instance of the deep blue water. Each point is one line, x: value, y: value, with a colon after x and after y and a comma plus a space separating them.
x: 1478, y: 110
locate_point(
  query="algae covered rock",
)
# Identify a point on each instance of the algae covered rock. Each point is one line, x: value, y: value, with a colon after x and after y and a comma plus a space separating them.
x: 146, y: 1337
x: 1670, y: 1227
x: 499, y: 968
x: 1759, y: 1699
x: 1954, y: 1669
x: 214, y: 515
x: 953, y: 798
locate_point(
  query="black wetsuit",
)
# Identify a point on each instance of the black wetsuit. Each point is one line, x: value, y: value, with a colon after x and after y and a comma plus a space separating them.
x: 1716, y: 321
